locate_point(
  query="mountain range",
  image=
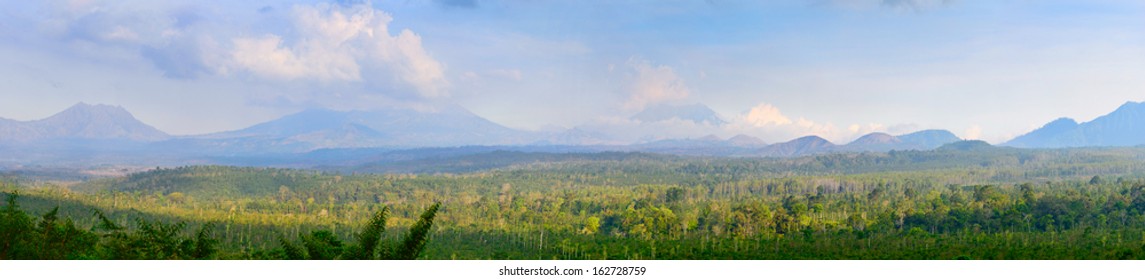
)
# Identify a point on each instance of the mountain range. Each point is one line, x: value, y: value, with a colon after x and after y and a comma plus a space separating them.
x: 697, y: 113
x: 1122, y: 127
x: 101, y: 132
x: 873, y: 142
x: 397, y: 128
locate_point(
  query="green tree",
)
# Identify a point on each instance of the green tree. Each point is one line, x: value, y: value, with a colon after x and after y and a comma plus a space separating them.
x: 370, y: 238
x: 591, y: 225
x: 324, y: 245
x: 15, y: 231
x: 418, y: 235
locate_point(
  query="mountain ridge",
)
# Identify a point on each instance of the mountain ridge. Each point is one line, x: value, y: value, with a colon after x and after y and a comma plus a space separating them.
x: 1121, y: 127
x: 82, y: 121
x: 391, y: 127
x: 696, y: 113
x: 403, y: 128
x: 805, y: 145
x: 453, y: 126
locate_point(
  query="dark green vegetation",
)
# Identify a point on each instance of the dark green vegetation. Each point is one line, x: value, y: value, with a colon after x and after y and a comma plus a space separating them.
x: 960, y: 201
x: 22, y: 237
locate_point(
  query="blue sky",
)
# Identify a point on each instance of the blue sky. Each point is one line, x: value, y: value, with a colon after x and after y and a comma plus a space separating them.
x: 775, y: 69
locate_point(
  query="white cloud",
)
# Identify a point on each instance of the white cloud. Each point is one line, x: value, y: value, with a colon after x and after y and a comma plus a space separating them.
x: 764, y: 115
x: 770, y: 124
x: 916, y: 5
x: 900, y: 129
x: 653, y: 84
x: 626, y: 131
x: 265, y: 56
x: 470, y: 76
x: 340, y: 43
x: 867, y: 128
x: 974, y: 132
x: 825, y: 130
x: 121, y: 33
x: 767, y: 119
x: 511, y: 74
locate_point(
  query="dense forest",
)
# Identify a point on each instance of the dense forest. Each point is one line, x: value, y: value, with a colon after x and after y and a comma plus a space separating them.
x: 957, y: 202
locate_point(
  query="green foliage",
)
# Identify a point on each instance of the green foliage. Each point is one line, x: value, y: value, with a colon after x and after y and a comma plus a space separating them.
x: 324, y: 245
x: 53, y: 238
x: 204, y: 245
x: 591, y: 225
x: 62, y: 239
x: 154, y: 241
x: 370, y: 238
x: 291, y: 251
x: 978, y: 204
x: 418, y: 235
x: 15, y: 230
x: 50, y: 239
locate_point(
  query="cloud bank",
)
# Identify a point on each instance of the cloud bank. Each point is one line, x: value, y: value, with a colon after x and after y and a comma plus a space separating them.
x: 653, y: 84
x: 310, y: 46
x: 338, y: 43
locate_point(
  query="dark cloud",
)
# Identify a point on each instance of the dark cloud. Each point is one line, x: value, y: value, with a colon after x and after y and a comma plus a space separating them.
x: 91, y: 27
x: 185, y: 18
x: 175, y: 52
x: 177, y: 61
x: 467, y: 4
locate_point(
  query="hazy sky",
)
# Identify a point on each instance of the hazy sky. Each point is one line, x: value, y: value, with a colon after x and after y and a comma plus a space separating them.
x: 982, y: 69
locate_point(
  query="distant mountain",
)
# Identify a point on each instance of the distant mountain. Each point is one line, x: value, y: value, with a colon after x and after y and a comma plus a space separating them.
x: 576, y: 136
x: 873, y: 142
x: 711, y: 138
x: 1122, y: 127
x: 710, y: 145
x: 702, y: 142
x: 967, y: 146
x: 877, y: 138
x: 882, y: 142
x: 394, y: 127
x: 10, y: 129
x: 319, y: 127
x: 802, y: 146
x: 100, y: 134
x: 697, y: 113
x: 927, y: 139
x: 79, y: 122
x: 1062, y: 132
x: 746, y: 141
x: 741, y: 140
